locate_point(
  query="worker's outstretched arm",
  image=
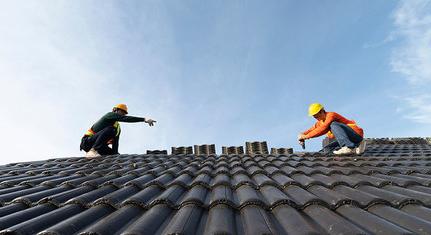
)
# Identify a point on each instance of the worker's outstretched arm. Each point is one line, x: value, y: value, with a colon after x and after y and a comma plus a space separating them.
x: 121, y: 118
x: 321, y: 129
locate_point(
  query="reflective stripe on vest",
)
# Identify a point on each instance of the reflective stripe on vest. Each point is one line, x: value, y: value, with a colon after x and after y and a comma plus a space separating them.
x: 90, y: 132
x: 331, y: 136
x: 118, y: 128
x: 116, y: 125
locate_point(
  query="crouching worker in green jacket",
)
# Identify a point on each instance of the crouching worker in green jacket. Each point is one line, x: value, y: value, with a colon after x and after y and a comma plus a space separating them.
x: 107, y: 131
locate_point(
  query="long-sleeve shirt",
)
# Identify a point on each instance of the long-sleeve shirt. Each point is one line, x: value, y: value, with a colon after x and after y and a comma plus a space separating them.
x: 110, y: 118
x: 324, y: 127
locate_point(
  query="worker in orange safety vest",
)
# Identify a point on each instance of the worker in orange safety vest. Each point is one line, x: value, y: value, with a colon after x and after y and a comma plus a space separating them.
x: 345, y: 136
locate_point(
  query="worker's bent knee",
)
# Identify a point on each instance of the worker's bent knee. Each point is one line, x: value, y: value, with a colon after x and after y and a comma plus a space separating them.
x: 335, y: 124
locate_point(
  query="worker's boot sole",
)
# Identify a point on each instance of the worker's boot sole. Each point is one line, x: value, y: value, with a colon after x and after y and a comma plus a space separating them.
x: 344, y: 151
x: 92, y: 154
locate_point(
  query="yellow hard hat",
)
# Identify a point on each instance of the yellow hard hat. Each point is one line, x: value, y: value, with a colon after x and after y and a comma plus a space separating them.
x: 122, y: 107
x: 314, y: 109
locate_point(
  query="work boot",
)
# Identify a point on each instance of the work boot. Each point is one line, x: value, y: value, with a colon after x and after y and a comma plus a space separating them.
x: 92, y: 154
x: 344, y: 151
x: 361, y: 148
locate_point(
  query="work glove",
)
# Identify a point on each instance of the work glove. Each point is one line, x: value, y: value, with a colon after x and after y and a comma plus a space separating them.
x: 301, y: 140
x: 150, y: 122
x: 301, y: 137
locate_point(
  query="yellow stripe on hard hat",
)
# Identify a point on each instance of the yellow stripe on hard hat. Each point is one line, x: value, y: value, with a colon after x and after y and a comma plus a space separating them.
x: 314, y: 109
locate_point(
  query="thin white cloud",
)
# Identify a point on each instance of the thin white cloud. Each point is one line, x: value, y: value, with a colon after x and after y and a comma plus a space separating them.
x: 421, y: 109
x: 62, y: 66
x: 412, y: 57
x: 42, y: 83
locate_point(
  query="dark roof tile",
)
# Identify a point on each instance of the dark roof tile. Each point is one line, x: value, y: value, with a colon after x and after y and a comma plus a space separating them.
x: 385, y: 191
x: 284, y: 180
x: 78, y: 181
x: 70, y: 225
x: 274, y: 196
x: 7, y: 197
x: 350, y: 180
x: 170, y: 196
x: 330, y: 197
x: 143, y: 197
x: 25, y: 215
x: 62, y: 197
x: 419, y: 178
x: 43, y: 221
x: 395, y: 199
x: 87, y: 198
x: 140, y: 181
x: 256, y: 221
x: 262, y: 180
x: 221, y: 179
x: 302, y: 197
x: 221, y: 220
x: 331, y: 222
x: 401, y: 218
x: 375, y: 181
x: 196, y: 195
x: 185, y: 221
x: 12, y: 208
x: 202, y: 179
x: 372, y: 223
x: 418, y: 211
x: 305, y: 181
x: 12, y: 189
x: 150, y: 221
x: 248, y: 196
x: 29, y: 199
x: 118, y: 182
x: 295, y: 222
x: 115, y: 198
x: 242, y: 179
x: 420, y: 188
x: 114, y: 223
x: 221, y: 195
x: 424, y: 198
x: 362, y: 198
x: 327, y: 181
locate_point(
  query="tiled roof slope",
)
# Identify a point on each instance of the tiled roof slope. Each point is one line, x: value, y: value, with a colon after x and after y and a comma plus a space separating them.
x: 385, y: 191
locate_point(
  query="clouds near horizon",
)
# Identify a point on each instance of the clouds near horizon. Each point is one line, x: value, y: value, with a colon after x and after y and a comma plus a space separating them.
x: 210, y: 72
x: 411, y: 57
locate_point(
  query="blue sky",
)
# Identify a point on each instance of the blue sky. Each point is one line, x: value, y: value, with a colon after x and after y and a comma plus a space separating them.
x: 221, y: 72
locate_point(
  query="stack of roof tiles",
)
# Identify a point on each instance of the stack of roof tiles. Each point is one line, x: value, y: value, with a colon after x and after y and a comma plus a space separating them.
x: 233, y: 150
x: 384, y: 191
x: 205, y: 149
x: 256, y: 147
x: 182, y: 150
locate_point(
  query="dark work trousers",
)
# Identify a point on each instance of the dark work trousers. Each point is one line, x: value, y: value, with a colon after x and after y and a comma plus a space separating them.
x: 99, y: 141
x: 344, y: 136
